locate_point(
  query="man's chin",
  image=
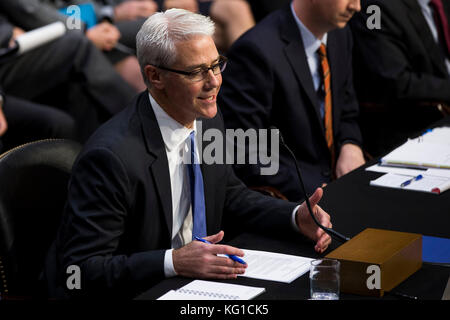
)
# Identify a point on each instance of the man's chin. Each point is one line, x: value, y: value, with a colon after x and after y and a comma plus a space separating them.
x: 212, y: 113
x: 209, y: 112
x: 343, y: 22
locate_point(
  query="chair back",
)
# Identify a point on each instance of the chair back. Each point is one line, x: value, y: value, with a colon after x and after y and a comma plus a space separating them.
x: 33, y: 191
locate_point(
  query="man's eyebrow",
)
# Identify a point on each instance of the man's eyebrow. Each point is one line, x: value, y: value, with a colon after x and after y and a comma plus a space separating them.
x: 204, y: 65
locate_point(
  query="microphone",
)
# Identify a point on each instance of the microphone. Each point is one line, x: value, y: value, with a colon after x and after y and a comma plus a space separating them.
x: 332, y: 233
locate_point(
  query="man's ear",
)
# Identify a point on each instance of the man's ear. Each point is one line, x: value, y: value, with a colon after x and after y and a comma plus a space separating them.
x: 153, y: 76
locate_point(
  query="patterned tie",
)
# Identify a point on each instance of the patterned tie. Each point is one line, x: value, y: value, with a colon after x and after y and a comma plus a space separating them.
x: 328, y: 114
x: 197, y: 193
x: 440, y: 19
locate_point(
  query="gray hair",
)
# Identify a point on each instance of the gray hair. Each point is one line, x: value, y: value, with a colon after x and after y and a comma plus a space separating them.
x: 155, y: 41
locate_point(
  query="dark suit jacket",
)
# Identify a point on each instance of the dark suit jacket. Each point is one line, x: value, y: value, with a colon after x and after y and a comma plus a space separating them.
x: 118, y: 219
x: 268, y: 82
x: 401, y: 61
x: 6, y: 30
x: 398, y: 66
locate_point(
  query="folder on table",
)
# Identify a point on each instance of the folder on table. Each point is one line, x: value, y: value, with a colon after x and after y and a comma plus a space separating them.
x: 430, y: 150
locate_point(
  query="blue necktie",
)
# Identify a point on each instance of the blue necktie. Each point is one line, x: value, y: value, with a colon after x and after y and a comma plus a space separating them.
x: 197, y: 193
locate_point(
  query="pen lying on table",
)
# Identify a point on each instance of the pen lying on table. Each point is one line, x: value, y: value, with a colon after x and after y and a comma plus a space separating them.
x: 231, y: 256
x: 408, y: 182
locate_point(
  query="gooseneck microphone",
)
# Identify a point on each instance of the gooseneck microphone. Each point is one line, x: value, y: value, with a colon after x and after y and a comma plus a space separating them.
x: 332, y: 233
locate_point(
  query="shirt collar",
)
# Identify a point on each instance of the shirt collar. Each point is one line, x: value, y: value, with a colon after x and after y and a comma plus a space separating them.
x: 172, y: 131
x: 426, y: 9
x: 424, y: 3
x: 310, y: 42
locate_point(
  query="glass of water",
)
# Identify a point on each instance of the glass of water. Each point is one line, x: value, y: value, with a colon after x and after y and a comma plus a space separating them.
x: 324, y: 279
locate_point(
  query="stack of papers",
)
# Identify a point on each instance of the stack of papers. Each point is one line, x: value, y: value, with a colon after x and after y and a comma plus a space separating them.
x: 420, y: 164
x: 209, y: 290
x: 274, y: 266
x: 430, y: 150
x: 427, y: 183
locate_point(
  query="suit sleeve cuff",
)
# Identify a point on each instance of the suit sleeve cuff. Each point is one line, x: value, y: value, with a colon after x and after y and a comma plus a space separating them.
x: 169, y: 270
x: 350, y: 142
x: 293, y: 216
x: 106, y: 12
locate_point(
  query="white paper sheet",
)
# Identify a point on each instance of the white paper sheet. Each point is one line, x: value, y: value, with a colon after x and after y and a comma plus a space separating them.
x: 210, y: 290
x: 40, y: 36
x: 428, y: 183
x: 431, y: 150
x: 274, y: 266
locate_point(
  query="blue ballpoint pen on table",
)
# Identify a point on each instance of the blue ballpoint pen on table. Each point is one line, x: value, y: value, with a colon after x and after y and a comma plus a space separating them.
x: 231, y: 256
x: 408, y: 182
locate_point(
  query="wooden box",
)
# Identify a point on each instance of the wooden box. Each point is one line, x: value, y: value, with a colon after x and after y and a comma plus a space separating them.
x: 375, y: 261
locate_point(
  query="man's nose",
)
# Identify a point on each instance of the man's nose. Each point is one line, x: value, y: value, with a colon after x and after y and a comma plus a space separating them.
x: 213, y: 80
x: 355, y: 5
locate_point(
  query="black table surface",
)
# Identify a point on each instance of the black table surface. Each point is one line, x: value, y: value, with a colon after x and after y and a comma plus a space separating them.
x: 354, y: 205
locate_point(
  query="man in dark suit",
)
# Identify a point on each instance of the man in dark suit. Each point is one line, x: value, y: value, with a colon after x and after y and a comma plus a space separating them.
x: 276, y: 77
x: 401, y: 70
x: 137, y: 195
x: 68, y: 73
x: 23, y: 121
x: 107, y: 37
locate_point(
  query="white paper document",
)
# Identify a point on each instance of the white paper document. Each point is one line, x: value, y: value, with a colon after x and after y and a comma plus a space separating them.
x: 274, y: 266
x: 399, y: 170
x: 210, y: 290
x: 40, y: 36
x: 431, y: 150
x: 428, y: 183
x: 437, y: 172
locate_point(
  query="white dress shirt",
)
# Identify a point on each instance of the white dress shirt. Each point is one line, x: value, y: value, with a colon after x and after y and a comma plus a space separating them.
x: 177, y: 143
x: 312, y: 44
x: 428, y: 14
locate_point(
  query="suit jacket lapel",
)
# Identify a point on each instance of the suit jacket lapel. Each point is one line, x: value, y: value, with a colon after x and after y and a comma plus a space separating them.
x: 423, y: 30
x: 295, y: 53
x: 159, y: 165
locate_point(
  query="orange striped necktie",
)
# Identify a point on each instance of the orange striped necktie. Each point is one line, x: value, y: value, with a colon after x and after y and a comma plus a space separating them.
x: 328, y: 114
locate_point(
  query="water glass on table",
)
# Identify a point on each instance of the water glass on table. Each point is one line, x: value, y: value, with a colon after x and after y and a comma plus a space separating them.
x: 324, y: 279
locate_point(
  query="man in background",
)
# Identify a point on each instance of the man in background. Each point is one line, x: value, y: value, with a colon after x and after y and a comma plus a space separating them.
x: 294, y: 71
x: 401, y: 70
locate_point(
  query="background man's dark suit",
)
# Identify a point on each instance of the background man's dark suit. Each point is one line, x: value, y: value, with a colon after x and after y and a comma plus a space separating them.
x: 69, y: 73
x: 399, y: 66
x: 26, y: 120
x: 268, y: 82
x: 118, y: 219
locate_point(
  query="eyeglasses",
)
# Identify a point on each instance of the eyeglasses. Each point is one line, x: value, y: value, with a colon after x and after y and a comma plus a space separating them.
x: 200, y: 74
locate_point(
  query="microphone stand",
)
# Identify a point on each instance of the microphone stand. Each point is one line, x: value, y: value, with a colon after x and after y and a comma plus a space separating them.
x: 332, y: 233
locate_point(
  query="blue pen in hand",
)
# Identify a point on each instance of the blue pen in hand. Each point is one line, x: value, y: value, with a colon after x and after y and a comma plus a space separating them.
x: 231, y: 256
x: 408, y: 182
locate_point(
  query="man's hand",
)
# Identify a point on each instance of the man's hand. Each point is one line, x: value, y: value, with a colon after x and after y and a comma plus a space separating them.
x: 200, y: 260
x: 104, y: 35
x: 3, y: 123
x: 16, y: 32
x: 350, y: 158
x: 190, y: 5
x: 134, y: 9
x: 307, y: 225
